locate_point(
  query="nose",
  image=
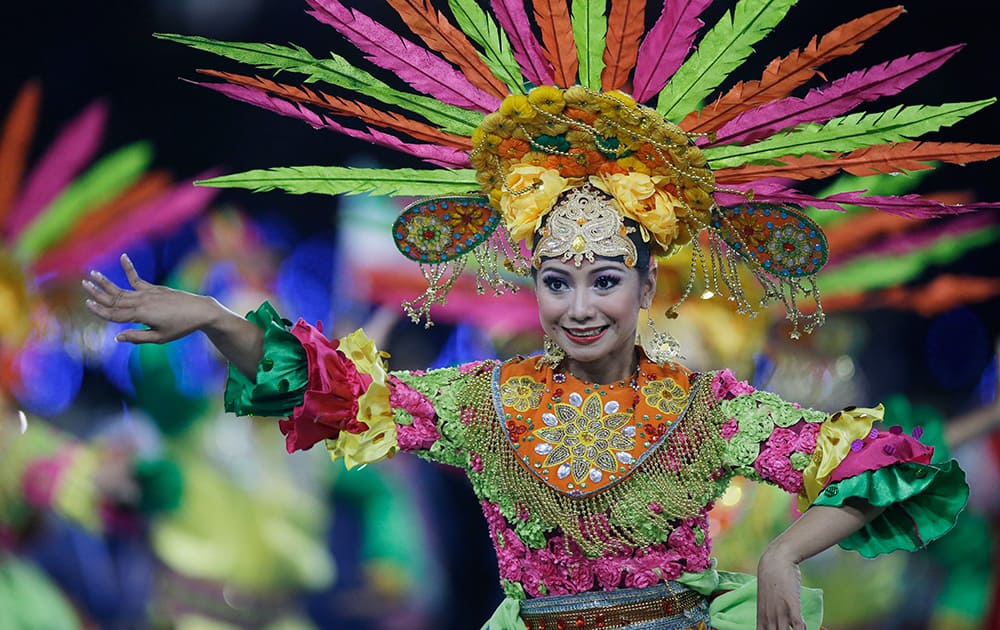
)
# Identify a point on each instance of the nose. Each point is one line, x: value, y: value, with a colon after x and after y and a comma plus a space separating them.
x: 581, y: 308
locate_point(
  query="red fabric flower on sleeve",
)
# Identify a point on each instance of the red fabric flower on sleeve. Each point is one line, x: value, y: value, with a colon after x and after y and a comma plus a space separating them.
x: 330, y: 402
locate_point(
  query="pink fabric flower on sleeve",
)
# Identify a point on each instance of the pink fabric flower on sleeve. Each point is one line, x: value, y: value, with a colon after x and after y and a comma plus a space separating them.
x: 330, y: 402
x: 423, y: 433
x: 725, y: 386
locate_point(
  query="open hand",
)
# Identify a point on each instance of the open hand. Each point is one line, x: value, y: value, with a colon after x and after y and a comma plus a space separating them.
x: 168, y: 313
x: 778, y: 603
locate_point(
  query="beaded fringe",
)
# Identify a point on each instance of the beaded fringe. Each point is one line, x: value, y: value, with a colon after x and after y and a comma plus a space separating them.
x: 675, y: 482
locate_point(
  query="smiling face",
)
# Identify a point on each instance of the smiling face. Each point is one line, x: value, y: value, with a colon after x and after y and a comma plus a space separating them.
x: 591, y: 312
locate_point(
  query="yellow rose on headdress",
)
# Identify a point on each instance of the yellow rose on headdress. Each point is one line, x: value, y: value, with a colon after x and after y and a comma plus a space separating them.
x: 630, y: 190
x: 537, y: 188
x: 641, y: 200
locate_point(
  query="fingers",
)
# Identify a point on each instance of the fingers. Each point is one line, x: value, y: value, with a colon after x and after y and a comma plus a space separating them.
x: 131, y: 273
x: 110, y: 312
x: 139, y: 335
x: 104, y: 284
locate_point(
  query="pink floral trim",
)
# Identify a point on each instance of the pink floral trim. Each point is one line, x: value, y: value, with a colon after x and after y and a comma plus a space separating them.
x: 423, y: 433
x: 730, y: 428
x: 330, y: 402
x: 774, y: 462
x: 561, y: 568
x: 726, y: 386
x: 476, y: 463
x: 879, y: 450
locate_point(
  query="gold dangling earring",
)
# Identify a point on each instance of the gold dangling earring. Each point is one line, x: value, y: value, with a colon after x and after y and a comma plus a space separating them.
x: 661, y: 347
x: 553, y: 354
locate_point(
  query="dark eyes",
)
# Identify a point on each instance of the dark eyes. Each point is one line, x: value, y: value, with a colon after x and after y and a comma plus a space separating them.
x: 601, y: 283
x: 606, y: 282
x: 553, y: 283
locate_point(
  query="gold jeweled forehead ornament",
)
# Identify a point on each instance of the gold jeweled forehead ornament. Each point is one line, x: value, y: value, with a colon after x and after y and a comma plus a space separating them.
x: 502, y: 154
x: 585, y: 224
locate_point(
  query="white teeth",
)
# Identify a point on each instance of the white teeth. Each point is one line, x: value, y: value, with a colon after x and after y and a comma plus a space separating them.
x: 591, y: 332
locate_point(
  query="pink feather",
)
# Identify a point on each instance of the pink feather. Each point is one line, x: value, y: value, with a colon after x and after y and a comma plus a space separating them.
x: 448, y: 157
x: 74, y: 147
x: 773, y: 190
x: 423, y: 70
x: 913, y: 206
x: 843, y: 95
x: 156, y: 217
x: 928, y: 234
x: 513, y: 19
x: 666, y: 45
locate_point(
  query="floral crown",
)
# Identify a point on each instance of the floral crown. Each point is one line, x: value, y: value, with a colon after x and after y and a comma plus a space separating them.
x: 722, y: 177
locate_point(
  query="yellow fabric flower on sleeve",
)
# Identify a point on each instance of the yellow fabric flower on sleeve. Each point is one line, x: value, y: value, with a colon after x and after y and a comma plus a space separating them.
x: 379, y: 441
x: 833, y: 444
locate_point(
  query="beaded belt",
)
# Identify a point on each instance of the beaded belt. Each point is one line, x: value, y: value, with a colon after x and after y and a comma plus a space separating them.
x: 668, y: 606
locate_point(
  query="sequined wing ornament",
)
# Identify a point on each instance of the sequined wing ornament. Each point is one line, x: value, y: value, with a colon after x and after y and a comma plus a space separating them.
x: 783, y: 248
x: 439, y: 234
x: 494, y: 110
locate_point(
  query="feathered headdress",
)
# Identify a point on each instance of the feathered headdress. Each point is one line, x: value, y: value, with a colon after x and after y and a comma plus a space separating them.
x: 509, y: 122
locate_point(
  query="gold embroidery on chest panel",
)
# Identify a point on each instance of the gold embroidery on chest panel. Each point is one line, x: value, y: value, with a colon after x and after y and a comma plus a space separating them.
x: 675, y: 481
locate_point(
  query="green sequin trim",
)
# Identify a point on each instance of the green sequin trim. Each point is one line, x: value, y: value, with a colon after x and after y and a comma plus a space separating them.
x: 282, y: 373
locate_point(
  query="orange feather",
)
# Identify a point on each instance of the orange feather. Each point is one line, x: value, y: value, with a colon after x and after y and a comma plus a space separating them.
x: 939, y: 295
x: 783, y: 75
x: 344, y: 107
x: 883, y: 158
x: 104, y: 217
x: 438, y: 33
x: 18, y: 130
x: 552, y: 17
x: 625, y: 28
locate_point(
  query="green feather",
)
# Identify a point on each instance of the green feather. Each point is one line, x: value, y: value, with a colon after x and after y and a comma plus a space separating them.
x: 590, y: 29
x: 847, y: 133
x: 874, y: 272
x: 336, y: 180
x: 720, y: 52
x: 497, y: 53
x: 101, y: 183
x: 881, y: 185
x: 336, y: 71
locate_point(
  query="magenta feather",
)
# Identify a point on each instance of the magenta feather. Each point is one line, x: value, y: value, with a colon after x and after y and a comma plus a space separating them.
x: 927, y: 234
x: 414, y: 64
x: 840, y: 96
x: 772, y: 190
x: 448, y: 157
x: 157, y: 217
x: 513, y: 19
x: 912, y: 206
x: 74, y: 147
x: 665, y: 46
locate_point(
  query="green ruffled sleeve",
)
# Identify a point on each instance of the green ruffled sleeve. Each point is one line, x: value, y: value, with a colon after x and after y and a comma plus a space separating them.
x: 922, y: 502
x: 282, y: 373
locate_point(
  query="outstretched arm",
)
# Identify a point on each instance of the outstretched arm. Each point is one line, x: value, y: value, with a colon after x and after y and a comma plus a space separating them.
x: 170, y: 314
x: 819, y: 528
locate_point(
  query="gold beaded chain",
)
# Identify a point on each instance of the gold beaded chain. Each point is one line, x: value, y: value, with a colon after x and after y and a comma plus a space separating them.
x: 675, y: 482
